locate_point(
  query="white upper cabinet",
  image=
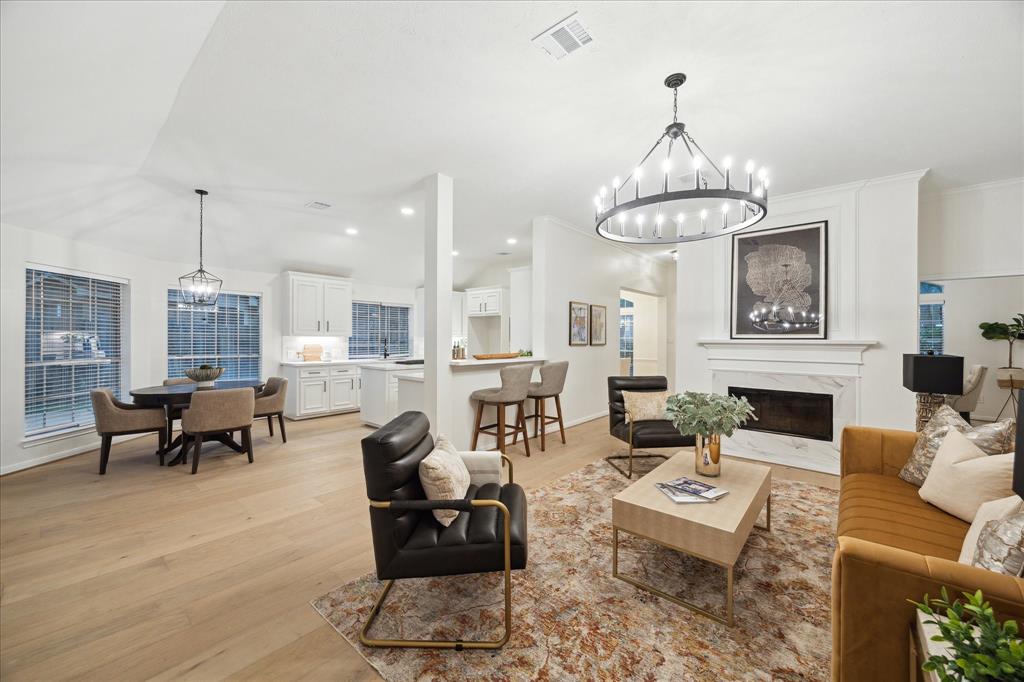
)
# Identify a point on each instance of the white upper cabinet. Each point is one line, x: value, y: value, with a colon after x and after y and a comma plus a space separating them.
x: 317, y: 305
x: 481, y: 302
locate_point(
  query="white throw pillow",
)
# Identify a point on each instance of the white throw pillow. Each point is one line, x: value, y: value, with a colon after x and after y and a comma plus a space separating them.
x: 963, y: 477
x: 990, y: 511
x: 444, y: 476
x: 645, y: 405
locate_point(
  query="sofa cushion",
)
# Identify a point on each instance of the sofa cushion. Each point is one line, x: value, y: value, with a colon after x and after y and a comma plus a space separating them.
x: 889, y: 511
x: 659, y: 433
x: 963, y: 477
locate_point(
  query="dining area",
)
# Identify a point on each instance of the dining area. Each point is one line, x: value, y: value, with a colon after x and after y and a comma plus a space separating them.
x: 209, y: 412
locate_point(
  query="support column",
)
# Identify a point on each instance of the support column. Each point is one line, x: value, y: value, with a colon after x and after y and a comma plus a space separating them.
x: 437, y: 286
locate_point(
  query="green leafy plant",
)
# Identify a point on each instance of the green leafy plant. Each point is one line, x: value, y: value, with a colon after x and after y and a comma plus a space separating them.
x: 983, y: 650
x: 708, y: 414
x: 1004, y: 331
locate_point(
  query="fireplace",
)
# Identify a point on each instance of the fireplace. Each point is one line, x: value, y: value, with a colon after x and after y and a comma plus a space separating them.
x: 793, y: 413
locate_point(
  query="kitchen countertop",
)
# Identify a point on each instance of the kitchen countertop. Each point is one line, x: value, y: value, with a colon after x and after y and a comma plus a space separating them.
x: 389, y: 366
x: 486, y: 363
x: 362, y: 363
x: 411, y: 376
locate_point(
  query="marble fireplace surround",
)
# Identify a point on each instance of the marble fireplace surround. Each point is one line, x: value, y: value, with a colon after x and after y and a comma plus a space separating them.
x: 829, y: 367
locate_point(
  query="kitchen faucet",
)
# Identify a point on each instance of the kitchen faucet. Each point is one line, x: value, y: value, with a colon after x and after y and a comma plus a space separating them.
x: 385, y: 348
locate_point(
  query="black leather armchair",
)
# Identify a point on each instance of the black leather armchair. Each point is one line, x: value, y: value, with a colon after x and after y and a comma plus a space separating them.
x: 488, y: 535
x: 657, y: 433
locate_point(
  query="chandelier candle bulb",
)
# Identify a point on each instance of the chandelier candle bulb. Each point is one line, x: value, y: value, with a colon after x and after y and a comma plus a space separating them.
x: 727, y: 165
x: 704, y: 221
x: 725, y: 216
x: 637, y: 174
x: 622, y: 224
x: 640, y: 225
x: 658, y: 219
x: 679, y: 224
x: 696, y: 172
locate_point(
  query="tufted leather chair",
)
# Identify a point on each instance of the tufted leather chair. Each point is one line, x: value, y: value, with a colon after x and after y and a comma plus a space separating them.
x: 488, y: 535
x: 656, y: 433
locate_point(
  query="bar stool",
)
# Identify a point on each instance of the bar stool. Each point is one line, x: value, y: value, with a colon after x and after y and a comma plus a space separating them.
x: 552, y: 381
x: 515, y: 383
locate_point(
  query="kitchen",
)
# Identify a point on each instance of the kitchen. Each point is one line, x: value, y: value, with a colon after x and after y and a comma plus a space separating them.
x: 349, y: 346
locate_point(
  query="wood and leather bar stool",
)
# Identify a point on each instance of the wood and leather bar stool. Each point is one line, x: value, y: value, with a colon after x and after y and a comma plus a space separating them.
x: 515, y: 384
x: 552, y: 381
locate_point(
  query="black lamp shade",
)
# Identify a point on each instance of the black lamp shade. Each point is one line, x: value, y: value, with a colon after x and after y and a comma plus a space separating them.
x: 934, y: 373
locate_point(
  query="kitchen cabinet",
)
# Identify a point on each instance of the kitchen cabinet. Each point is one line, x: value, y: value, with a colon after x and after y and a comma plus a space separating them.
x: 317, y: 305
x: 378, y: 400
x: 321, y: 388
x: 485, y: 302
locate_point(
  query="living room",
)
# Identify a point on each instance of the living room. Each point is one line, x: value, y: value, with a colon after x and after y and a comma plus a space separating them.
x: 515, y: 341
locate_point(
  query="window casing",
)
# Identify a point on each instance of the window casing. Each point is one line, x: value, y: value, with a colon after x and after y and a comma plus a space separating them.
x: 930, y: 325
x: 228, y: 335
x: 373, y: 323
x: 75, y: 341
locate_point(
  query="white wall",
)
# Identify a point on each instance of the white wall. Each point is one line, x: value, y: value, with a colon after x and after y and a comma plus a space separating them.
x: 520, y: 306
x: 148, y: 281
x: 972, y: 231
x: 571, y: 265
x: 968, y: 302
x: 872, y: 288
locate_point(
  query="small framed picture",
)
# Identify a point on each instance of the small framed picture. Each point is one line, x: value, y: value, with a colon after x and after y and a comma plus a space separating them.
x: 579, y: 323
x: 598, y: 325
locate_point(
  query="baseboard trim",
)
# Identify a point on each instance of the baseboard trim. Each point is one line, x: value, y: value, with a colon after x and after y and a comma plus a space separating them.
x: 63, y: 454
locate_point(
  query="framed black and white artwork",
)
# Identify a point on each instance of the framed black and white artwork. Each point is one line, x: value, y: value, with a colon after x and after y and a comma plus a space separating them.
x: 780, y: 283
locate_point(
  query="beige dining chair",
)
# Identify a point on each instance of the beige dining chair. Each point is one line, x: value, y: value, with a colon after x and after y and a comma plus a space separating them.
x: 270, y: 404
x: 115, y: 418
x: 217, y: 412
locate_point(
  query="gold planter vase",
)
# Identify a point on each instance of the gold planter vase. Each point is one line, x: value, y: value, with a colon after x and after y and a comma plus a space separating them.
x: 707, y: 455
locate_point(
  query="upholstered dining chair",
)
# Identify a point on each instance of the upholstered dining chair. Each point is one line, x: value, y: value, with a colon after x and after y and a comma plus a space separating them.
x: 217, y: 412
x: 489, y: 534
x: 175, y: 409
x: 270, y: 404
x: 115, y: 418
x: 655, y: 433
x: 968, y: 401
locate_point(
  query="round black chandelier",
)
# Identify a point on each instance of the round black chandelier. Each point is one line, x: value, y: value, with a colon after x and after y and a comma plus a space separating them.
x: 680, y: 214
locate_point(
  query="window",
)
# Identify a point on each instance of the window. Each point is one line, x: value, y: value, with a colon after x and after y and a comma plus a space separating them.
x: 74, y: 342
x: 373, y: 325
x: 227, y: 335
x: 626, y: 331
x: 930, y: 325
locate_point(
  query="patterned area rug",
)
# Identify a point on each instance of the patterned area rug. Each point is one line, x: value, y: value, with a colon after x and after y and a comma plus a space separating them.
x: 573, y: 621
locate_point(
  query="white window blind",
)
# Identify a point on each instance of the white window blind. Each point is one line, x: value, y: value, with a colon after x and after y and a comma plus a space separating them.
x: 74, y: 342
x: 372, y: 324
x: 228, y: 335
x: 930, y: 328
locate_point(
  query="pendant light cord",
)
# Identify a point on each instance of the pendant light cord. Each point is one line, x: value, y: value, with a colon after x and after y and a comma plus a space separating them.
x: 201, y: 233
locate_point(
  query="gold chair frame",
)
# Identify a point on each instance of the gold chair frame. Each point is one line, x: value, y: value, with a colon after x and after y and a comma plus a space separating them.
x: 630, y: 456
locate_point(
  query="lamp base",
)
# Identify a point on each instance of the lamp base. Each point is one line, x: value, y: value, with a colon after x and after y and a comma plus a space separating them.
x: 927, y: 404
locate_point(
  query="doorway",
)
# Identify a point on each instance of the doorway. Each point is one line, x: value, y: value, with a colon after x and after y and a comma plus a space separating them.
x: 642, y: 341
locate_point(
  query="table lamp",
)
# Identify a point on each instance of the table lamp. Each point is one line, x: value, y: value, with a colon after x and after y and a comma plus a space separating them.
x: 932, y: 377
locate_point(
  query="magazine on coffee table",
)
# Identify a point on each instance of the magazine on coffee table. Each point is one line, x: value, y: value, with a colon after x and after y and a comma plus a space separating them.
x: 679, y: 497
x: 702, y: 490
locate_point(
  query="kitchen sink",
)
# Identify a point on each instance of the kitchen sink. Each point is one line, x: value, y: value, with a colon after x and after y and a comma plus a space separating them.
x: 408, y: 362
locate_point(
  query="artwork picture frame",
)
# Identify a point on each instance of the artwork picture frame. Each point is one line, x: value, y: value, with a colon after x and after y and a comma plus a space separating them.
x: 779, y: 283
x: 598, y: 325
x: 579, y: 323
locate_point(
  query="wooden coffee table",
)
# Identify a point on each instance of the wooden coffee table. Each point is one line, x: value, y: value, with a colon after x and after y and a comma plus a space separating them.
x: 714, y: 532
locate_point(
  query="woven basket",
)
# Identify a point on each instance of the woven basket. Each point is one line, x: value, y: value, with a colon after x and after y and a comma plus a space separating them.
x: 204, y: 376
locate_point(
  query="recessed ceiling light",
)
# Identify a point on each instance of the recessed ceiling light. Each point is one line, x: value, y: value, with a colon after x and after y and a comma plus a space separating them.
x: 407, y: 211
x: 351, y: 230
x: 455, y: 253
x: 511, y: 240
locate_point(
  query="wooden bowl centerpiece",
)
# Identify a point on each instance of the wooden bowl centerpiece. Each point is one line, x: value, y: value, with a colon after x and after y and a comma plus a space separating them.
x: 204, y: 375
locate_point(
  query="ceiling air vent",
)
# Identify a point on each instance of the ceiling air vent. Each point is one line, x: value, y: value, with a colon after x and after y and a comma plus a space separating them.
x: 318, y: 205
x: 565, y: 37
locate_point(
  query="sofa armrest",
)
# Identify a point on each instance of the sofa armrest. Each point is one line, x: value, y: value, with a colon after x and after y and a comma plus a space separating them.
x: 866, y: 450
x: 871, y: 616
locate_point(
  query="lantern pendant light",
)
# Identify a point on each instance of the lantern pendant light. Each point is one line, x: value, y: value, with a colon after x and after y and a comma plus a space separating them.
x: 199, y: 288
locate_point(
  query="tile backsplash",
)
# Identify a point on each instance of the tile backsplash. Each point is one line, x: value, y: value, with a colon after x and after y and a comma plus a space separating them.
x: 335, y: 347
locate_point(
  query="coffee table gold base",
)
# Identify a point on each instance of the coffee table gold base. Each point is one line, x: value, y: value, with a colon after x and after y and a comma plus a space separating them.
x: 725, y: 620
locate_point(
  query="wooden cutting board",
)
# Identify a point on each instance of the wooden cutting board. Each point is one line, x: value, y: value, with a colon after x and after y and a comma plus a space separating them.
x: 312, y: 352
x: 496, y: 356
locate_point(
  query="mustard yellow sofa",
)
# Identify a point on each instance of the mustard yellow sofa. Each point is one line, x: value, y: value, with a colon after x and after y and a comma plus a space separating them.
x: 893, y: 546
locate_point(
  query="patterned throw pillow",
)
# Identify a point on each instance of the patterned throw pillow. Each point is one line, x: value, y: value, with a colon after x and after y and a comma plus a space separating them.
x: 444, y: 476
x: 1001, y: 545
x: 645, y: 405
x: 993, y: 439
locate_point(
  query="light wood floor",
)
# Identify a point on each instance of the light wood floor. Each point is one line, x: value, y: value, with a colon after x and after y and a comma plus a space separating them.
x: 150, y: 572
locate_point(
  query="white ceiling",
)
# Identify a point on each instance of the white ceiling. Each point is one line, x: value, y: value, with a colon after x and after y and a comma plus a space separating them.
x: 113, y: 112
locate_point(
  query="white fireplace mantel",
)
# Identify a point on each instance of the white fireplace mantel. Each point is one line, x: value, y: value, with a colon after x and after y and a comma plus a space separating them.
x: 805, y: 356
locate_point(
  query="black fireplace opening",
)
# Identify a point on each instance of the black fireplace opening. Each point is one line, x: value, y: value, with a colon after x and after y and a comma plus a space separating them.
x: 792, y: 413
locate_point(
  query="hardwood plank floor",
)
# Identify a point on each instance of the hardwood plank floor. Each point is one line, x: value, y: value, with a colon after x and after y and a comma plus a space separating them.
x: 154, y: 573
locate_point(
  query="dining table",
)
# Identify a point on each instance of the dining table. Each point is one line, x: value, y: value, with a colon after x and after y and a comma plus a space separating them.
x: 177, y: 396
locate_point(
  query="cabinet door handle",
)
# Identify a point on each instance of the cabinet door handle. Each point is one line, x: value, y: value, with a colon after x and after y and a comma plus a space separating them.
x: 325, y: 387
x: 318, y: 325
x: 328, y: 325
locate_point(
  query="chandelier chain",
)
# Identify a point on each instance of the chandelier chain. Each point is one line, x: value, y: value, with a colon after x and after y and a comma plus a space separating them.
x: 200, y: 232
x: 675, y: 105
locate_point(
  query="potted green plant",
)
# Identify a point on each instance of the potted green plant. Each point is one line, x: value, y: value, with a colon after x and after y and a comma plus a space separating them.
x: 977, y: 647
x: 707, y: 417
x: 1009, y: 376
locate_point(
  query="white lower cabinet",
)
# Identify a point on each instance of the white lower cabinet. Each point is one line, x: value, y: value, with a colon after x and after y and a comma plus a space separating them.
x: 379, y: 397
x: 317, y: 389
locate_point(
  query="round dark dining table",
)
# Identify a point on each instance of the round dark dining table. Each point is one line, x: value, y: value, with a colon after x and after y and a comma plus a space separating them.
x: 176, y: 396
